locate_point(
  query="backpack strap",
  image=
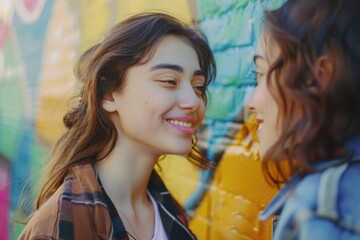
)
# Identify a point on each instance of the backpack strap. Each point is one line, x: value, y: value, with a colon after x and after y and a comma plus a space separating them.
x: 328, y: 192
x: 328, y: 195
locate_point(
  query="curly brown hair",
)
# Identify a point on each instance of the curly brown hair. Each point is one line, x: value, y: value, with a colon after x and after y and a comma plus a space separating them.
x: 306, y: 30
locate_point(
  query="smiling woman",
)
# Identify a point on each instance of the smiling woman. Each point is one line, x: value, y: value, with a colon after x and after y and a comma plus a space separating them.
x: 262, y: 101
x: 307, y: 104
x: 166, y: 90
x: 143, y: 96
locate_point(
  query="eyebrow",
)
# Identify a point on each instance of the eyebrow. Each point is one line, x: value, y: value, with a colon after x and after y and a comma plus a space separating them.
x: 167, y: 66
x: 256, y: 57
x: 199, y: 73
x: 176, y: 68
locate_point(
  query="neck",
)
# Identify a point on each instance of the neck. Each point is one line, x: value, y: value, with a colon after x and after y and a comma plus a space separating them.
x: 125, y: 174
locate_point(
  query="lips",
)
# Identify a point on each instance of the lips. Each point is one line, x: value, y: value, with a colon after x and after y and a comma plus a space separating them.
x: 180, y: 123
x: 184, y: 124
x: 260, y: 122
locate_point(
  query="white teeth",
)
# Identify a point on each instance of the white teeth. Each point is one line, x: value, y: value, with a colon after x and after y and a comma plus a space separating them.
x: 180, y: 123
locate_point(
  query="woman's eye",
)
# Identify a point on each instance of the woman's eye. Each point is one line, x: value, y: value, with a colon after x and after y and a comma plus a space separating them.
x: 199, y: 89
x: 168, y: 81
x: 258, y: 75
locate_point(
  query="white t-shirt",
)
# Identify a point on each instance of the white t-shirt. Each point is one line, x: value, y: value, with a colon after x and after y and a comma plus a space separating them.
x: 159, y: 231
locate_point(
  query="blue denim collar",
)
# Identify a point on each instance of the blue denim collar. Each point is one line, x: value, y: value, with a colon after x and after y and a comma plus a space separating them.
x: 276, y: 205
x: 354, y: 146
x: 353, y: 155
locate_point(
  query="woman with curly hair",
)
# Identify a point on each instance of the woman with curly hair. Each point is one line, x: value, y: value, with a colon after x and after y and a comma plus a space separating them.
x: 307, y: 104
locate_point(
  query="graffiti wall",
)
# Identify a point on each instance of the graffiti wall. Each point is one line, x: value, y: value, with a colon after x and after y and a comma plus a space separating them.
x: 39, y: 43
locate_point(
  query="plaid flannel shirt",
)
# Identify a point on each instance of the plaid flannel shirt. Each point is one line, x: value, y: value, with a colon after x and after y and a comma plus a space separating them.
x: 81, y: 209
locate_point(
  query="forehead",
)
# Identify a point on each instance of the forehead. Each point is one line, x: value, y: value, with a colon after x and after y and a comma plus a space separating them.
x: 267, y: 48
x: 260, y: 48
x: 174, y: 49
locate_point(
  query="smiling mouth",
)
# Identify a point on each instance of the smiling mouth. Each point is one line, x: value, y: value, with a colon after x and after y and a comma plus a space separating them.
x: 260, y: 123
x: 180, y: 123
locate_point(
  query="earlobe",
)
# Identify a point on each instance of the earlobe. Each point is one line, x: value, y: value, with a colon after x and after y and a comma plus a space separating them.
x: 323, y: 74
x: 324, y: 68
x: 108, y: 102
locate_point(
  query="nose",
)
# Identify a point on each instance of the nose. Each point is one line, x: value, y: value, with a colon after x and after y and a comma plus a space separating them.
x: 250, y: 106
x: 249, y: 103
x: 188, y: 98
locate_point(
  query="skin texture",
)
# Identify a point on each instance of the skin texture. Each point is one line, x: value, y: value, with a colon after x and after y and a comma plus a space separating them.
x: 156, y: 96
x: 155, y: 112
x: 261, y: 101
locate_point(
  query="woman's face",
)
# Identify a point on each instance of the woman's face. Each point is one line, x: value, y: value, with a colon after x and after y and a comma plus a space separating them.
x: 160, y: 104
x: 261, y: 101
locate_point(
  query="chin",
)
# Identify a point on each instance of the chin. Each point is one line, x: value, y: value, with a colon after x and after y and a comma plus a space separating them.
x: 262, y: 152
x: 182, y: 150
x: 182, y: 153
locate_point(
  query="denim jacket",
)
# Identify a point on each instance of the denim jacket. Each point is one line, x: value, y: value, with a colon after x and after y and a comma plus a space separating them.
x: 322, y: 205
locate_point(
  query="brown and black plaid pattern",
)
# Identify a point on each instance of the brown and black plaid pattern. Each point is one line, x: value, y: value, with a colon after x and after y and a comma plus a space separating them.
x: 81, y: 209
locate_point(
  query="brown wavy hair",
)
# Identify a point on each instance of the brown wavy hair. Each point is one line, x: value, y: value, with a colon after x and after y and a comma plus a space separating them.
x: 306, y: 30
x: 90, y: 134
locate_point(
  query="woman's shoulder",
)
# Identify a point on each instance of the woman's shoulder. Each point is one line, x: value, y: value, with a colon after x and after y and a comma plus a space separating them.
x: 351, y: 176
x: 77, y: 202
x: 334, y: 196
x: 348, y: 193
x: 337, y: 183
x: 43, y: 222
x: 323, y: 204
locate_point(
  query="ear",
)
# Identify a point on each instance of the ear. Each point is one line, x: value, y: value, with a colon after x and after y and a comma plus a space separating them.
x: 109, y: 102
x: 324, y: 70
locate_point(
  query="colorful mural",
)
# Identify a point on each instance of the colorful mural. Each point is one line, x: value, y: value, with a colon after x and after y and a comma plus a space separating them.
x: 39, y: 44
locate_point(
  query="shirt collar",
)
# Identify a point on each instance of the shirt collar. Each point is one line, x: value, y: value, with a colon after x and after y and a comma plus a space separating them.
x: 276, y: 205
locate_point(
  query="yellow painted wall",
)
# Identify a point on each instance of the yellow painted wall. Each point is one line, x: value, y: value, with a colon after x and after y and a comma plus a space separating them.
x: 40, y: 42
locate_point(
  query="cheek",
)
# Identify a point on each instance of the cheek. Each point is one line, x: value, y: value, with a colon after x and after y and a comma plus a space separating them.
x: 201, y: 111
x: 273, y: 113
